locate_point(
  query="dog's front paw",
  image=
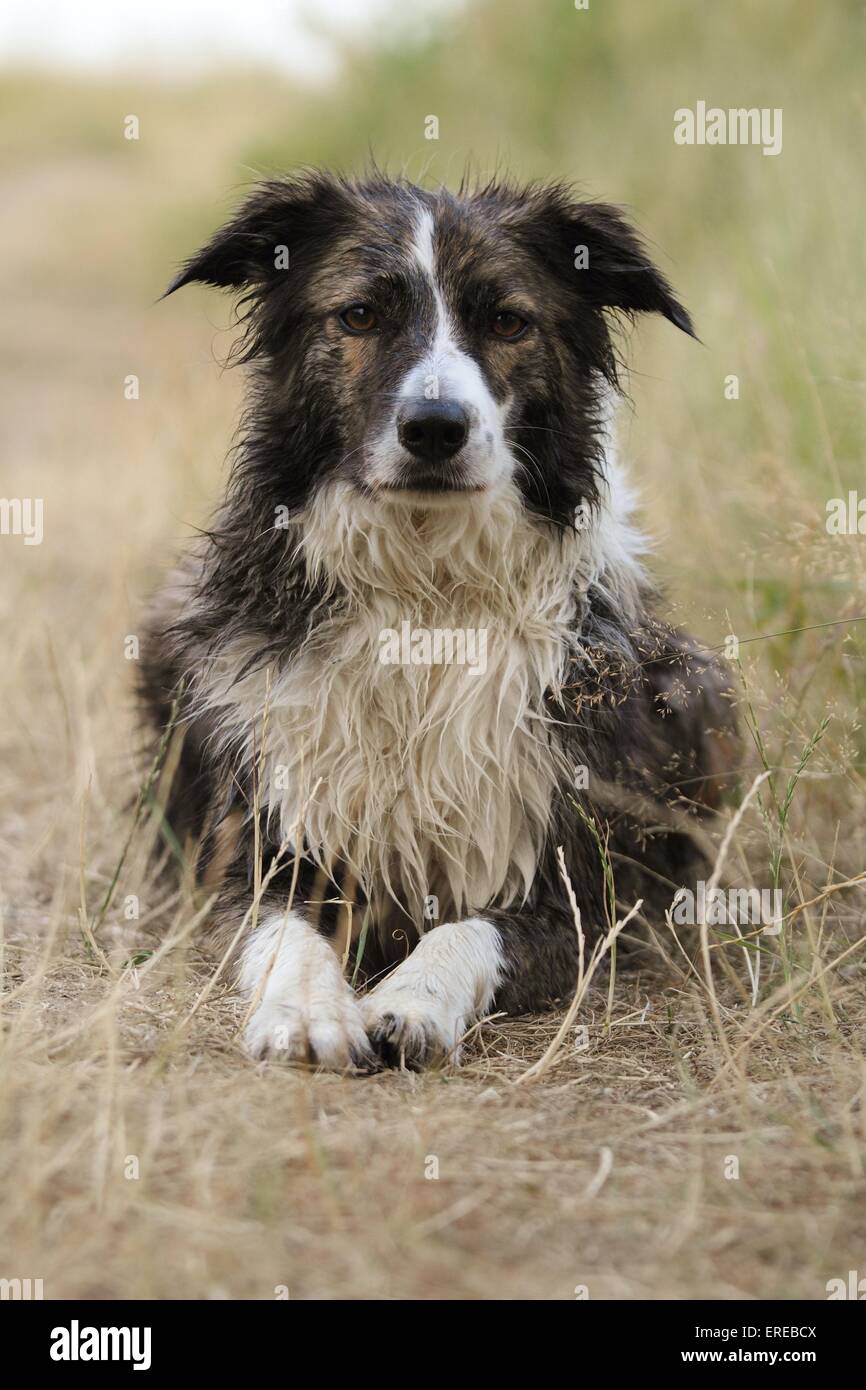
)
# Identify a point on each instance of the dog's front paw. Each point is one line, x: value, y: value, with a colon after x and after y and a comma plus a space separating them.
x: 307, y: 1011
x: 412, y: 1033
x: 326, y: 1032
x: 421, y: 1011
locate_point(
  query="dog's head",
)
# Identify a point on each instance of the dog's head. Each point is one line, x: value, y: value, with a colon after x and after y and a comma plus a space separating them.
x: 427, y: 346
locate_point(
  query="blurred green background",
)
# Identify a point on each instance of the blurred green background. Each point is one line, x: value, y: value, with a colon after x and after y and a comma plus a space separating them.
x: 767, y: 252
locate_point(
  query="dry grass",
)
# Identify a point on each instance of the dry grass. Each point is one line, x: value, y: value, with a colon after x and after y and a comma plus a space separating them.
x: 608, y: 1173
x: 609, y: 1168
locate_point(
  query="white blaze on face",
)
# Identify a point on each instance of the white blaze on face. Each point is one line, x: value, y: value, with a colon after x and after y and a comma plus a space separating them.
x: 446, y: 373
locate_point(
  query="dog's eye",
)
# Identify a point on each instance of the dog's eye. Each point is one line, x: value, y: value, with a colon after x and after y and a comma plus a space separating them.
x: 358, y: 318
x: 507, y: 324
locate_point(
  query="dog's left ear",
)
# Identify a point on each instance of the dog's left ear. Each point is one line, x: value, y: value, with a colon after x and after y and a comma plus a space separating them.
x: 280, y: 218
x: 596, y: 246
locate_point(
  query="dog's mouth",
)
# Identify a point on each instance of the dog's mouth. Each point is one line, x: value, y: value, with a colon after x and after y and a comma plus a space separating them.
x: 432, y: 487
x: 432, y: 480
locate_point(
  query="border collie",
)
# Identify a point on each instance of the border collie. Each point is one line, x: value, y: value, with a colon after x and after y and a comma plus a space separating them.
x: 427, y: 450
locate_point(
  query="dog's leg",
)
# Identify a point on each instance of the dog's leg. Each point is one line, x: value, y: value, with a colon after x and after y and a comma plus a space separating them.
x: 421, y: 1010
x: 303, y: 1008
x: 516, y: 962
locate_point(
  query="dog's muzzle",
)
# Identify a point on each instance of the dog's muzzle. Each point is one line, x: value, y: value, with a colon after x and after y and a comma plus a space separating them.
x: 433, y: 433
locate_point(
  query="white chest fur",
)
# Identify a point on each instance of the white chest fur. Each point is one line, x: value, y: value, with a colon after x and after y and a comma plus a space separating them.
x: 433, y: 777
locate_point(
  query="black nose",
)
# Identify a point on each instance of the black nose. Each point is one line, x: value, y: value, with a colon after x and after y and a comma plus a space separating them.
x: 433, y: 430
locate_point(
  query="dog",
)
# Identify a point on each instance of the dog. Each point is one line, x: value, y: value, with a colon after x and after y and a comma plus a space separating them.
x: 427, y: 458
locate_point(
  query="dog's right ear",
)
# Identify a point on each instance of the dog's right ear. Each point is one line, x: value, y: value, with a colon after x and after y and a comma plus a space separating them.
x: 232, y: 257
x: 269, y: 231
